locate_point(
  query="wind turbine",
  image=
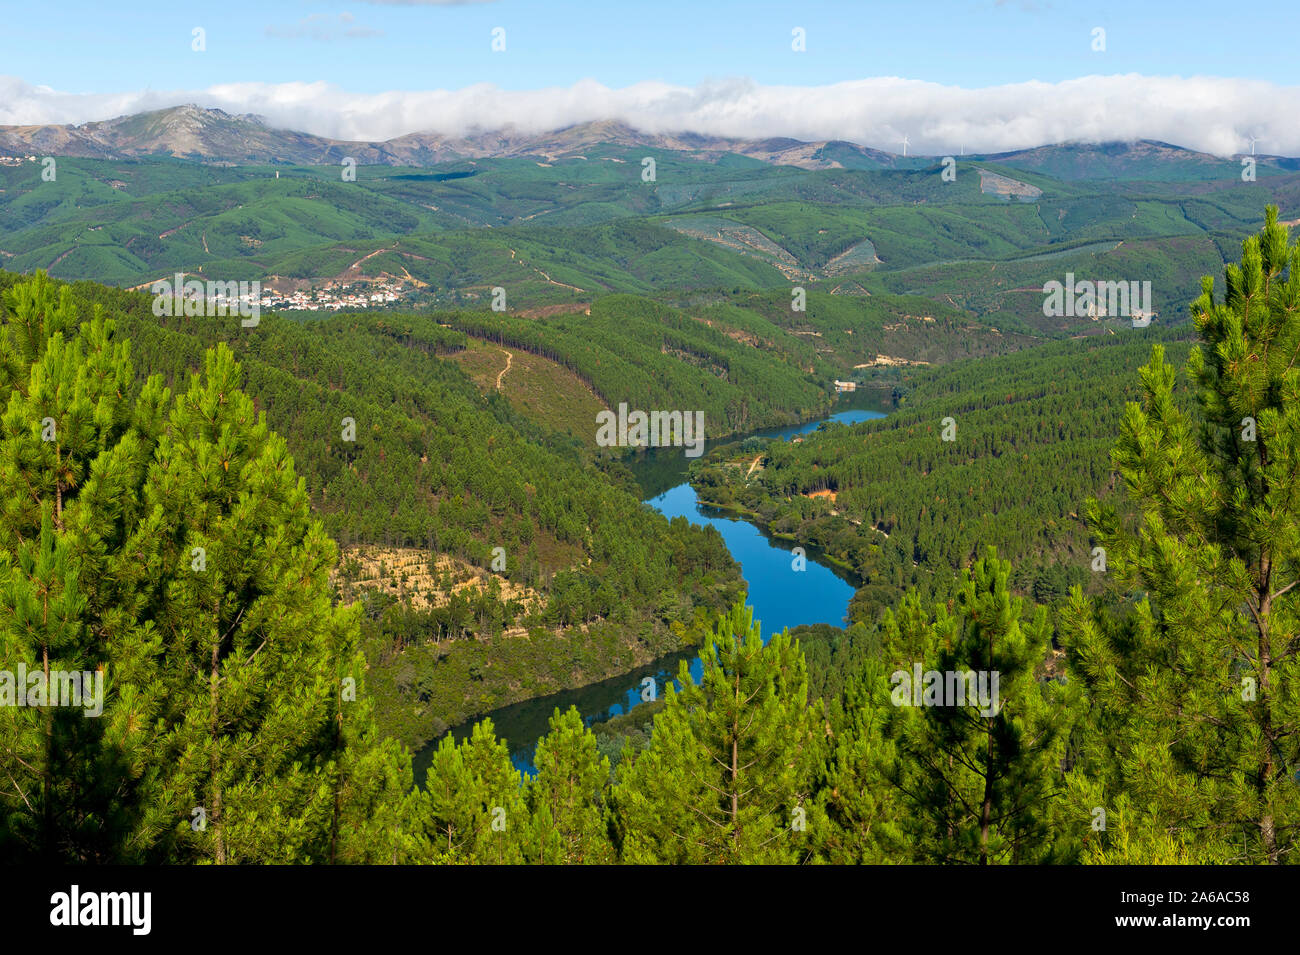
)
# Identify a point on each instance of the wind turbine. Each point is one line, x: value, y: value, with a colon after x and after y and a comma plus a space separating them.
x: 905, y: 143
x: 1252, y: 145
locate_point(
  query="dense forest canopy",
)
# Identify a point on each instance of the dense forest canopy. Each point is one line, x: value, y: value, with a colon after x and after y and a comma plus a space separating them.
x: 274, y: 560
x: 176, y: 497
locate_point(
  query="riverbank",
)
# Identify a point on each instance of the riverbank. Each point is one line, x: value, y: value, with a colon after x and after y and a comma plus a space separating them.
x: 783, y: 592
x: 461, y: 681
x: 753, y: 517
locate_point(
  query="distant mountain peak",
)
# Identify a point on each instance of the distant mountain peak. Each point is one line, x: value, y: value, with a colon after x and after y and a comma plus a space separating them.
x: 210, y: 134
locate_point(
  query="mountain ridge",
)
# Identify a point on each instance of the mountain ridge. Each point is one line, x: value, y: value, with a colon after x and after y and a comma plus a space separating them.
x: 213, y: 135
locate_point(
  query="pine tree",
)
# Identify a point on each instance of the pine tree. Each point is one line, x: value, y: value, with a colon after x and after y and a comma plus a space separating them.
x: 472, y: 809
x: 1130, y: 839
x: 370, y: 776
x: 976, y: 775
x: 168, y: 547
x: 857, y: 811
x: 1193, y: 679
x: 68, y: 428
x: 566, y: 797
x: 728, y: 774
x: 41, y: 633
x: 237, y: 587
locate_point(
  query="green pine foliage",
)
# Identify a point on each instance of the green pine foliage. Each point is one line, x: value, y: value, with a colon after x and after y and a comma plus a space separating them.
x: 568, y: 796
x: 1191, y: 664
x: 72, y: 460
x: 159, y: 538
x: 168, y: 546
x: 473, y: 808
x: 858, y: 812
x: 437, y: 466
x: 728, y: 775
x: 976, y: 775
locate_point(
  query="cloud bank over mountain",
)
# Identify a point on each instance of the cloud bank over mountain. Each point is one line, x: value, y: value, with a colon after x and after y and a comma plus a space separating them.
x: 1212, y: 114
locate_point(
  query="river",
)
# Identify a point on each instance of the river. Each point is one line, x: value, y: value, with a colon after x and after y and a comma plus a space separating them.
x: 822, y: 596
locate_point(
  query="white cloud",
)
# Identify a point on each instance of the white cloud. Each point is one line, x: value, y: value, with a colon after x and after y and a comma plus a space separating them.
x: 1208, y: 113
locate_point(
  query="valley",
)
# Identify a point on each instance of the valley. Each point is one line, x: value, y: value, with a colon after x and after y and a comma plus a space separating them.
x: 672, y: 294
x: 905, y: 446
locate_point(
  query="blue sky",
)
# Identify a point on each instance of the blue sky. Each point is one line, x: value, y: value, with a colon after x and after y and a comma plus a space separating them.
x: 980, y: 75
x: 101, y: 47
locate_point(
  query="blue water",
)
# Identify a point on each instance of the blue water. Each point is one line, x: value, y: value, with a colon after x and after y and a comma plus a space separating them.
x: 851, y: 416
x: 781, y: 596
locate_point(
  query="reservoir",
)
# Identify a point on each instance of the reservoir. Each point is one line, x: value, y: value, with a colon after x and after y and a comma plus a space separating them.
x: 780, y: 596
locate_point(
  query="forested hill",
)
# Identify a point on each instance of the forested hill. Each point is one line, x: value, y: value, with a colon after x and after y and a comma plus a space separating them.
x: 571, y: 230
x: 903, y: 506
x: 473, y: 507
x: 435, y: 466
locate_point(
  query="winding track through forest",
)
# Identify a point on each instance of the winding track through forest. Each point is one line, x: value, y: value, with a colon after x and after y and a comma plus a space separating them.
x: 509, y: 360
x: 357, y: 263
x: 542, y: 274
